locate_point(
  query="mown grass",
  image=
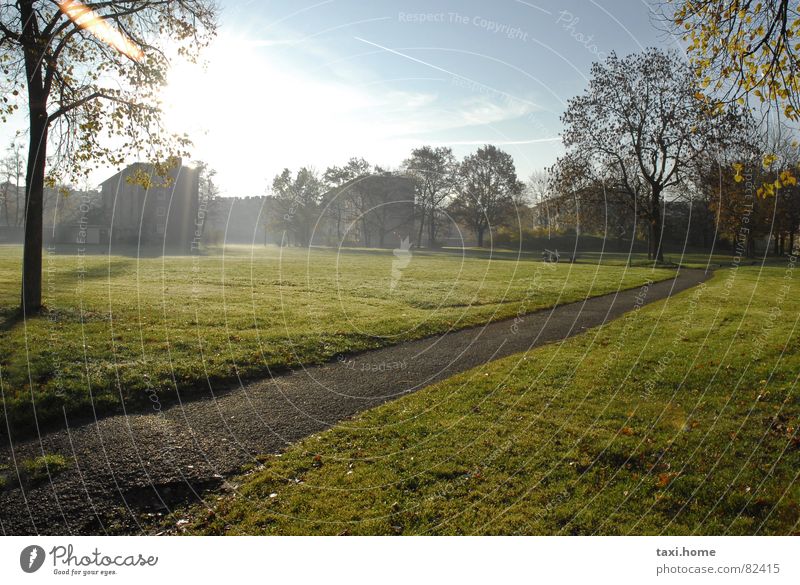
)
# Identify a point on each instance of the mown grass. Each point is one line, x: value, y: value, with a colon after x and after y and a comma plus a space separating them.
x: 679, y: 418
x: 138, y: 330
x: 43, y: 467
x: 34, y: 470
x: 689, y: 258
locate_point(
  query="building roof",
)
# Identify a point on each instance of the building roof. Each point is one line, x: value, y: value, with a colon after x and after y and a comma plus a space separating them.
x: 148, y: 168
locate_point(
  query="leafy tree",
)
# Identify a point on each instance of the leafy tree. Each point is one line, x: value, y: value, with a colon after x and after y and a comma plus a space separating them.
x: 296, y: 204
x: 727, y: 180
x: 387, y: 206
x: 488, y: 186
x: 743, y: 47
x: 435, y: 172
x: 207, y: 188
x: 743, y: 50
x: 637, y: 130
x: 738, y: 199
x: 208, y: 192
x: 363, y: 197
x: 787, y: 216
x: 340, y: 196
x: 787, y: 220
x: 86, y: 72
x: 354, y: 169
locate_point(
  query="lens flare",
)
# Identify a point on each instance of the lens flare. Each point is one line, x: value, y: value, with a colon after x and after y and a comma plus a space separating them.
x: 85, y: 18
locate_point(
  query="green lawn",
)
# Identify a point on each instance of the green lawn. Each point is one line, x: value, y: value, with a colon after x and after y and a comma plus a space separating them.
x: 680, y: 418
x: 689, y: 258
x: 130, y: 328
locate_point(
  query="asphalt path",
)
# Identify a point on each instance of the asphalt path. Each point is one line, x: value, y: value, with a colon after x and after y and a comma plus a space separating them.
x: 126, y: 471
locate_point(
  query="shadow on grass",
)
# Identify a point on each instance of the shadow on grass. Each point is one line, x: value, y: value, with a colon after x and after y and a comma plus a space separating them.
x: 131, y: 251
x: 10, y: 318
x: 105, y: 270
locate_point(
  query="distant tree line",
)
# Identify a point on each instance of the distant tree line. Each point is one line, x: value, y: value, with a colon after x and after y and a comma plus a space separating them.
x: 650, y: 162
x: 479, y: 192
x: 60, y: 203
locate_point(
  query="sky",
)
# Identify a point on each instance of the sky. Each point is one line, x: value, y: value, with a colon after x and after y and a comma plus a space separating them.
x: 291, y: 83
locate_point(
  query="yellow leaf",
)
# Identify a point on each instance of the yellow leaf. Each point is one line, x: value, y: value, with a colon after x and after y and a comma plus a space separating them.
x: 787, y: 178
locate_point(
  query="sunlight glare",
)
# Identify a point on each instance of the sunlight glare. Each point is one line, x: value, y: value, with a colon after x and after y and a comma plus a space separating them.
x: 85, y: 18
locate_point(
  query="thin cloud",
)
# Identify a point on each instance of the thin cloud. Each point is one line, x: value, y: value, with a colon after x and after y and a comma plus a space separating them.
x: 498, y: 143
x: 257, y: 43
x: 463, y: 78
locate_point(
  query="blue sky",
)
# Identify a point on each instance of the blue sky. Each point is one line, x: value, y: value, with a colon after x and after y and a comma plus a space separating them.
x: 291, y: 83
x: 318, y: 82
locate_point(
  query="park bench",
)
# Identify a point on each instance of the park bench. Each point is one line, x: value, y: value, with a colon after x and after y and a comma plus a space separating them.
x: 551, y: 256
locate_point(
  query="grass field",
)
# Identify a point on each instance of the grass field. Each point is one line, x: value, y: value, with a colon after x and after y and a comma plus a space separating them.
x: 687, y: 258
x: 136, y: 329
x: 679, y: 418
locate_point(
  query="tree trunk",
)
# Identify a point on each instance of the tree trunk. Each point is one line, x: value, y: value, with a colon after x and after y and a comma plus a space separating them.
x: 656, y: 250
x: 34, y: 212
x: 364, y: 230
x: 17, y: 206
x: 432, y: 229
x: 421, y: 228
x: 5, y: 204
x: 31, y: 296
x: 479, y: 232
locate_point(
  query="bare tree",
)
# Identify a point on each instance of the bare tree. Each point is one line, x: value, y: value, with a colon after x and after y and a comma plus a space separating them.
x: 637, y: 130
x: 540, y: 197
x: 11, y: 168
x: 434, y: 171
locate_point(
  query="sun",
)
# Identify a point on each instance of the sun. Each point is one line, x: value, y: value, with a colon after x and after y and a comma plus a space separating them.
x: 197, y: 94
x: 253, y: 108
